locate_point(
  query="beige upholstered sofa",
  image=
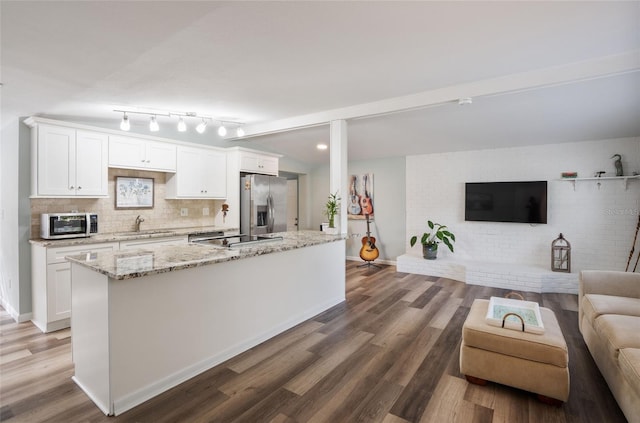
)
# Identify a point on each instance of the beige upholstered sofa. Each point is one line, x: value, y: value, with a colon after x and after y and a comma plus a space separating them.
x: 609, y: 320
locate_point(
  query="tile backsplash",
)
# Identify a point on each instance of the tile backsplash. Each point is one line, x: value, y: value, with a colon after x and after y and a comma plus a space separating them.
x: 164, y: 214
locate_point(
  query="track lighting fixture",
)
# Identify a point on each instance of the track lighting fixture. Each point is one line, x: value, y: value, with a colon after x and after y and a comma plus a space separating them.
x: 202, y: 126
x: 153, y: 125
x: 153, y: 114
x: 181, y: 125
x: 125, y: 125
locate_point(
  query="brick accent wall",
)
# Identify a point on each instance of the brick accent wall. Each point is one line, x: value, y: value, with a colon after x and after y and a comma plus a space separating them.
x: 599, y: 221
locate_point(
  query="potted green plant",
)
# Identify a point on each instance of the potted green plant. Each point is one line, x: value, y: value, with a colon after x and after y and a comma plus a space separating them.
x: 331, y: 208
x: 430, y: 240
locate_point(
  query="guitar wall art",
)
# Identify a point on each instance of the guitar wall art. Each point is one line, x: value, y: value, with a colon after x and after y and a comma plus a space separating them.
x: 360, y: 201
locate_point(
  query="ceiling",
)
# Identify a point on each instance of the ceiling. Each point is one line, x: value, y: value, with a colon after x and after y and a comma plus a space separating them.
x: 538, y: 72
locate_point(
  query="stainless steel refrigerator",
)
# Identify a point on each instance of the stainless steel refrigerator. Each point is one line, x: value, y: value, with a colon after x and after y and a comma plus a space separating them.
x: 263, y: 205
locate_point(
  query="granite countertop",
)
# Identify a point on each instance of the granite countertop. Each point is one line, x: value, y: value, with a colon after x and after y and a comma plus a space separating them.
x: 130, y: 235
x: 160, y: 259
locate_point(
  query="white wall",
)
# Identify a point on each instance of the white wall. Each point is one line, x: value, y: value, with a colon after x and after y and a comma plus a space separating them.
x: 15, y: 259
x: 388, y: 226
x: 9, y: 287
x: 303, y: 170
x: 599, y: 223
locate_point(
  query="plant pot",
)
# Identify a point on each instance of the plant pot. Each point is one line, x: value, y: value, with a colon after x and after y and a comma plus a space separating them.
x: 430, y: 251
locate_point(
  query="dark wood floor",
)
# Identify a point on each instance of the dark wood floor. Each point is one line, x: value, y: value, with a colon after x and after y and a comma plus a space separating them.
x: 388, y: 354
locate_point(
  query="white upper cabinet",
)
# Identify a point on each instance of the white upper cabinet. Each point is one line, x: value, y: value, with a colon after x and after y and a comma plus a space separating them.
x: 69, y: 162
x: 133, y: 153
x: 92, y: 172
x: 200, y: 173
x: 258, y: 163
x: 161, y: 156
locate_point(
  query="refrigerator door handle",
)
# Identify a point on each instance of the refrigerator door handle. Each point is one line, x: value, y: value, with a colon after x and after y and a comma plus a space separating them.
x: 270, y: 212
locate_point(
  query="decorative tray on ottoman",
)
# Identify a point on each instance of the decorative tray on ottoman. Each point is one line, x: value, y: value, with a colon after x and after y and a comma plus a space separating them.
x: 515, y: 314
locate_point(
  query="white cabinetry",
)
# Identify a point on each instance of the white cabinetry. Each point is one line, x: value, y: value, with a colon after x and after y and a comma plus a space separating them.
x: 134, y: 153
x: 51, y: 283
x: 258, y: 163
x: 200, y: 173
x: 68, y: 163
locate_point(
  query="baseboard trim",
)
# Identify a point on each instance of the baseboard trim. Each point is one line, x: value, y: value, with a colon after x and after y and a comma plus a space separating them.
x: 52, y: 326
x: 19, y: 318
x: 103, y: 407
x: 387, y: 262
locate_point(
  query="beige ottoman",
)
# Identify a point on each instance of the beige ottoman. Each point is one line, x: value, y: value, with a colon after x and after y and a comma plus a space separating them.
x: 532, y: 362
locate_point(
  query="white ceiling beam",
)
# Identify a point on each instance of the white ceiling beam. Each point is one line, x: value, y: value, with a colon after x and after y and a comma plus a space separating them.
x: 557, y: 75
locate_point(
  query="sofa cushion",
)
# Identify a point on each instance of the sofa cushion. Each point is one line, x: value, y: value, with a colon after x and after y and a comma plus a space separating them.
x: 618, y: 332
x: 594, y: 305
x: 629, y: 360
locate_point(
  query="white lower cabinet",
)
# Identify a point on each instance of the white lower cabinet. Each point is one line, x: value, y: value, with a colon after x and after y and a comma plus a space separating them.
x: 58, y: 292
x: 51, y: 277
x: 51, y: 283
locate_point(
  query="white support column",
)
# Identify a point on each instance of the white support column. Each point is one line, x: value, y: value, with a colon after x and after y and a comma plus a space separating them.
x: 338, y: 167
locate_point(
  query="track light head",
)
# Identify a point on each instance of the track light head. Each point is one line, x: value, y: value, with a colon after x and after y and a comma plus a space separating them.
x: 240, y: 132
x: 222, y: 131
x: 125, y: 125
x: 153, y: 125
x: 181, y: 125
x: 202, y: 126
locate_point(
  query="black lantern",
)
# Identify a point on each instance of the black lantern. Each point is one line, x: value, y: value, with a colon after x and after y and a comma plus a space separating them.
x: 561, y: 255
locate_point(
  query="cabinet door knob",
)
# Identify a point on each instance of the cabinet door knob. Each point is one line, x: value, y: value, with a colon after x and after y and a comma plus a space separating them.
x: 79, y: 187
x: 71, y: 187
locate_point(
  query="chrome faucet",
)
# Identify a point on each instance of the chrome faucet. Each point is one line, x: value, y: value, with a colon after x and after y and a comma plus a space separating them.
x: 139, y: 220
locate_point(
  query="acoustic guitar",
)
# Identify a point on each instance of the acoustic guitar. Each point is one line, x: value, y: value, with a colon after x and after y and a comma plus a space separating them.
x: 369, y: 251
x: 354, y: 206
x: 365, y: 201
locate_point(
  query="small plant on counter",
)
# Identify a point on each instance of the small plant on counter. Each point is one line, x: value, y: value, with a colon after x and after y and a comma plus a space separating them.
x: 430, y: 240
x: 331, y: 208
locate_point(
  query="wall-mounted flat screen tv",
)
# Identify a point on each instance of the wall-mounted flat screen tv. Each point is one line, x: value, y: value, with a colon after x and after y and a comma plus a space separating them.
x: 520, y: 202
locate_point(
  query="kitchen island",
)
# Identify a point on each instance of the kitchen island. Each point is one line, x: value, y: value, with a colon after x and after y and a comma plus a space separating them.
x: 146, y: 320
